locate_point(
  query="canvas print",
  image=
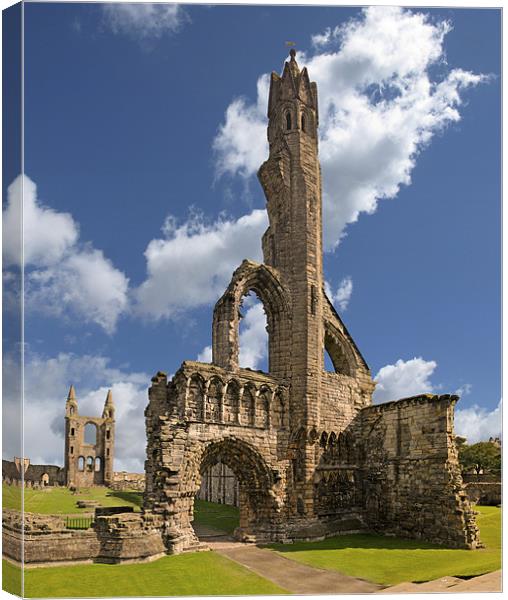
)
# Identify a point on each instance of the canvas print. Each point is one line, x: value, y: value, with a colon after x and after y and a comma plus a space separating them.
x: 251, y: 300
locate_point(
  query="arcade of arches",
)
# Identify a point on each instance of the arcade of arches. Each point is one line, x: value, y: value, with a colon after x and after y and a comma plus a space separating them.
x: 312, y: 455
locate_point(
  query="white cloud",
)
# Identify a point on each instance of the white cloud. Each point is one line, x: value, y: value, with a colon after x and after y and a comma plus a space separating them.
x: 62, y: 276
x: 47, y: 234
x: 379, y: 108
x: 205, y: 355
x: 253, y: 335
x: 463, y: 390
x: 193, y: 264
x: 47, y: 381
x: 343, y: 294
x: 84, y: 284
x: 477, y: 424
x: 240, y: 145
x: 144, y: 20
x: 404, y: 379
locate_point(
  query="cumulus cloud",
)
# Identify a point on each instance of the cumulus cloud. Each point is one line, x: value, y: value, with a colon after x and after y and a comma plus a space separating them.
x: 343, y: 294
x: 47, y: 381
x: 84, y: 284
x: 205, y: 355
x: 463, y: 390
x: 404, y: 379
x: 192, y: 265
x: 379, y: 108
x: 477, y: 424
x: 47, y: 234
x: 144, y: 20
x: 240, y: 145
x: 63, y: 277
x: 253, y: 335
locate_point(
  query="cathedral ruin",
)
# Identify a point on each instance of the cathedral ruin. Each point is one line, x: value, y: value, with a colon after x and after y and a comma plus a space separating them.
x: 89, y: 444
x: 312, y: 455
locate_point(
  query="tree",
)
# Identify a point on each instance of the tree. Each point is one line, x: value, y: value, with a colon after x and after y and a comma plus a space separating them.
x: 483, y: 457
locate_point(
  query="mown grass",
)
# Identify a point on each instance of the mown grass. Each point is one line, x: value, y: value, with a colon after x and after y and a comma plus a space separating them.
x: 60, y: 500
x: 11, y: 578
x: 195, y: 574
x: 216, y: 516
x: 388, y: 560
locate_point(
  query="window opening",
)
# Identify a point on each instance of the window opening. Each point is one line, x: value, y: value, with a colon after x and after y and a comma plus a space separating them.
x: 253, y: 335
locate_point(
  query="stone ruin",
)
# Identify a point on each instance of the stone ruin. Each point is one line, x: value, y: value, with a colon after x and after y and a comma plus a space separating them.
x: 313, y: 457
x: 89, y: 462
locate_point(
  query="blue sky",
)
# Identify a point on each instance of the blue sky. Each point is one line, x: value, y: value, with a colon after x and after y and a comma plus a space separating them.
x: 144, y: 127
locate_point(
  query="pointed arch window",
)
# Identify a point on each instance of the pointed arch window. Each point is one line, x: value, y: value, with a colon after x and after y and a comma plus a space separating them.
x: 288, y: 120
x: 304, y: 124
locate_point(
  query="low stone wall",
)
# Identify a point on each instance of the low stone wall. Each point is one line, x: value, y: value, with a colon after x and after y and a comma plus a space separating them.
x: 46, y: 539
x: 128, y: 537
x: 123, y: 481
x: 125, y: 537
x: 484, y: 493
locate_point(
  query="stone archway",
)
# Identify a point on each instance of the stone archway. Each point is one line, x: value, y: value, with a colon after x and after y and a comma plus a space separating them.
x: 258, y: 485
x: 266, y: 284
x: 254, y: 477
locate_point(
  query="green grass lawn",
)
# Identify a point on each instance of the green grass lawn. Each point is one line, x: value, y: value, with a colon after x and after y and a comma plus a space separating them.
x: 195, y: 574
x: 59, y: 500
x: 11, y: 578
x: 216, y: 516
x: 389, y: 561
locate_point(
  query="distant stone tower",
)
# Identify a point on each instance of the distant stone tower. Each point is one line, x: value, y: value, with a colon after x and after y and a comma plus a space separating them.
x: 89, y: 444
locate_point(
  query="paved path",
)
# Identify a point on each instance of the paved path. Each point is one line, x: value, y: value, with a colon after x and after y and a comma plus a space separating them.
x: 303, y: 579
x: 289, y: 574
x: 491, y: 582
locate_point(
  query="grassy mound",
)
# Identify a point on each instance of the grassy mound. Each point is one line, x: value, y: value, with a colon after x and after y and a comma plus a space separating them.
x: 59, y: 500
x: 388, y: 560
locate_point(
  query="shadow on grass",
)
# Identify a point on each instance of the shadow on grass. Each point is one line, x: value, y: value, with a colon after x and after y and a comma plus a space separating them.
x: 133, y: 497
x: 363, y: 541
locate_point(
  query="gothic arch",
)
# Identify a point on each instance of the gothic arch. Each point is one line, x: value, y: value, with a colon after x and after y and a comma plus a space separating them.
x: 231, y: 408
x: 195, y: 396
x: 213, y: 400
x: 339, y: 351
x: 256, y: 480
x: 266, y: 284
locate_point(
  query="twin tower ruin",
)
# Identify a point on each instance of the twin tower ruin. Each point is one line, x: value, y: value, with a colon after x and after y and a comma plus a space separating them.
x: 312, y: 455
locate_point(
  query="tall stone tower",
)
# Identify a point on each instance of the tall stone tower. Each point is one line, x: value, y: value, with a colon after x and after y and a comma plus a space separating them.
x: 313, y: 457
x: 89, y: 444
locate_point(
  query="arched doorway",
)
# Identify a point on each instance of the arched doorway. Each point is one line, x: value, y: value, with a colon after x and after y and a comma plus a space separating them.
x: 251, y: 487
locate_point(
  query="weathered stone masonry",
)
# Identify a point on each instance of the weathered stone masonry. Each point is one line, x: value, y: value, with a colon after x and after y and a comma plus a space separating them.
x: 312, y: 456
x: 89, y: 463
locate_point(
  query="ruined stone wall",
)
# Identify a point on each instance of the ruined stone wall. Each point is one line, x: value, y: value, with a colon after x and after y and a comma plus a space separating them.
x: 124, y: 481
x: 311, y: 455
x: 45, y: 539
x: 35, y: 475
x: 180, y: 450
x: 486, y: 493
x: 411, y: 481
x: 89, y: 464
x: 340, y: 401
